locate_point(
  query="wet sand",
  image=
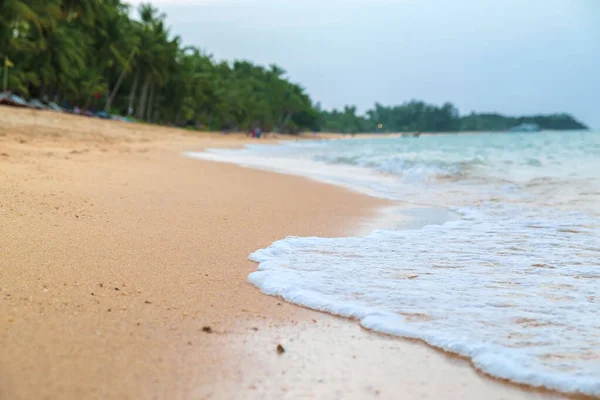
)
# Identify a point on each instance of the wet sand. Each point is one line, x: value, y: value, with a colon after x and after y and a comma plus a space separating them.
x: 123, y: 275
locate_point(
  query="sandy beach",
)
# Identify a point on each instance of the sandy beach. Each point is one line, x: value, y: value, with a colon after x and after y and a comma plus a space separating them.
x: 123, y: 274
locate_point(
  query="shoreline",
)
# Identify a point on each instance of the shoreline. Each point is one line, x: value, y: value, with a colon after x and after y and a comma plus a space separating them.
x: 405, y: 216
x: 125, y: 275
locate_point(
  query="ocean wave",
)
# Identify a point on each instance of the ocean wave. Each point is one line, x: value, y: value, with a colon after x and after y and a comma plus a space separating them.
x: 512, y: 285
x: 516, y: 296
x: 407, y: 167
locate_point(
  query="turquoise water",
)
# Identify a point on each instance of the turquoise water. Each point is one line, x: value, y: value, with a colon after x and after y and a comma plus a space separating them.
x: 513, y: 284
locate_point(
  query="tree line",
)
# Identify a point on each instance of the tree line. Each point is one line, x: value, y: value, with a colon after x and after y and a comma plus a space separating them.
x: 418, y: 116
x: 94, y: 55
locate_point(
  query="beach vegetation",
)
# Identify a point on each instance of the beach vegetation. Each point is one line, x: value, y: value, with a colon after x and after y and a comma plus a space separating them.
x: 106, y: 56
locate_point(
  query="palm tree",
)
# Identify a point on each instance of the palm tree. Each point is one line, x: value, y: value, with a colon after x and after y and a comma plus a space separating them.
x: 22, y: 24
x: 63, y: 57
x: 81, y: 51
x: 122, y: 47
x: 155, y: 52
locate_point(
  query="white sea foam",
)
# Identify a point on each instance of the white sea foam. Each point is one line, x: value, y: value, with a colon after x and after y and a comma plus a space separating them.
x: 516, y: 304
x: 514, y: 285
x: 267, y: 158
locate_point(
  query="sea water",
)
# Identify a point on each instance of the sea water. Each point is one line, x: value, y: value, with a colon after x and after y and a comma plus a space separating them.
x: 513, y: 283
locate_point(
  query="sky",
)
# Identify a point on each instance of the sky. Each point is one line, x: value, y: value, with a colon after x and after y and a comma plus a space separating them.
x: 509, y: 56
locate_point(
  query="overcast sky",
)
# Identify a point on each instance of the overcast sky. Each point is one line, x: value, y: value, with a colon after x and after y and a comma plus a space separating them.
x: 510, y: 56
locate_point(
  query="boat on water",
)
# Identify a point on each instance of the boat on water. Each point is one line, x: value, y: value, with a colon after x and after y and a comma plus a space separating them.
x: 526, y: 127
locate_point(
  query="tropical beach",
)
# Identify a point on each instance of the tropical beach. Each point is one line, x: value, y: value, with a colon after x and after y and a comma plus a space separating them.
x: 178, y: 224
x: 124, y: 275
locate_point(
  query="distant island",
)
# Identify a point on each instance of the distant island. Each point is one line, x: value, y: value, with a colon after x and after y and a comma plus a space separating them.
x: 418, y: 116
x: 93, y: 58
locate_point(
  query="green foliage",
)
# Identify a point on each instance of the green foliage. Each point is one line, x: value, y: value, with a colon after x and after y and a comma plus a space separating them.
x: 497, y: 122
x: 92, y: 54
x: 417, y: 116
x: 408, y: 117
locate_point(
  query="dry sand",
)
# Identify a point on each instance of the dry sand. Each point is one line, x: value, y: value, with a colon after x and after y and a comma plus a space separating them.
x: 117, y: 255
